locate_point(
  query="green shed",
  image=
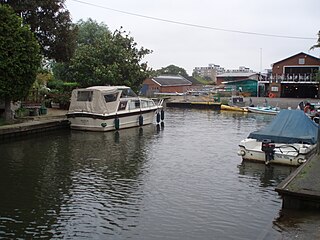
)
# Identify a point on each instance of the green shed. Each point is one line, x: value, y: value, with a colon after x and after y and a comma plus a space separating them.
x: 248, y: 86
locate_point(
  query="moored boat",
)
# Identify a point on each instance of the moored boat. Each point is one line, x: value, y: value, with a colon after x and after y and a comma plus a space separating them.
x: 290, y: 139
x: 106, y: 108
x: 264, y: 110
x: 233, y: 108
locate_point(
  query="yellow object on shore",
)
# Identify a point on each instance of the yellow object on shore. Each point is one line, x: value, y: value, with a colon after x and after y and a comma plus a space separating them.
x: 233, y: 108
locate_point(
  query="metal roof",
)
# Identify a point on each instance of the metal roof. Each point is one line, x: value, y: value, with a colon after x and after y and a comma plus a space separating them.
x: 237, y: 74
x: 168, y: 80
x: 300, y: 53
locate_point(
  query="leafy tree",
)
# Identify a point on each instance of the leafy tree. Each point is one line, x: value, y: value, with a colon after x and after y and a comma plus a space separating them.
x: 19, y: 58
x: 51, y: 23
x: 172, y: 70
x: 105, y: 58
x: 91, y: 33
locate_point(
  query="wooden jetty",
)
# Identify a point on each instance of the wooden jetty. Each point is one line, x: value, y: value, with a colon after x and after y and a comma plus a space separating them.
x: 301, y: 189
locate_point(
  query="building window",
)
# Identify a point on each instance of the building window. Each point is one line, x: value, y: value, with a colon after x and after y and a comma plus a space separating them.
x: 301, y: 60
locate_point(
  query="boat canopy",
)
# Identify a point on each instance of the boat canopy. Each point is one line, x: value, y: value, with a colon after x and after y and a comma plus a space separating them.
x: 99, y: 99
x: 289, y: 126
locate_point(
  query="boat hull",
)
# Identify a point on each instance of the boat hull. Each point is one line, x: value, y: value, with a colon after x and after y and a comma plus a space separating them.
x: 263, y: 110
x: 233, y: 108
x: 104, y: 123
x: 284, y: 154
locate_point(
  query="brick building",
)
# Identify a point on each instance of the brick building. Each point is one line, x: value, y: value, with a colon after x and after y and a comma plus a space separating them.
x: 165, y: 84
x: 294, y: 77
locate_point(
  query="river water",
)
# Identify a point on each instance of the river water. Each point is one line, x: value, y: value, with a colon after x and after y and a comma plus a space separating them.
x: 182, y: 181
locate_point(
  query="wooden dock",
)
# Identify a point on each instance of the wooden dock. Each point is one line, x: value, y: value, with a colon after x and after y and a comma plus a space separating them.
x: 301, y: 190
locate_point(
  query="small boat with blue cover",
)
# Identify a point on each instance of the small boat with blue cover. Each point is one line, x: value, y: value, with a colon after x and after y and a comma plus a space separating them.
x: 290, y: 139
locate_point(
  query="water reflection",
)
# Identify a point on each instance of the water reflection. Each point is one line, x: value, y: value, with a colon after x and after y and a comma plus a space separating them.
x: 184, y: 181
x: 30, y: 189
x: 67, y: 181
x: 267, y: 175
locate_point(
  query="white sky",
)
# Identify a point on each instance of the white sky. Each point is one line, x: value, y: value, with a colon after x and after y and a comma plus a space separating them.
x: 190, y: 47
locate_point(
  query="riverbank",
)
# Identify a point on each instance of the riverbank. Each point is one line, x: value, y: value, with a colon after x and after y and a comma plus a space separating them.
x: 54, y: 119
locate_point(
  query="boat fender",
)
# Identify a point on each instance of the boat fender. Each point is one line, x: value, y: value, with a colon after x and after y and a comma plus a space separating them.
x: 158, y: 117
x: 162, y: 114
x: 300, y: 160
x: 242, y: 153
x: 140, y: 120
x: 117, y: 123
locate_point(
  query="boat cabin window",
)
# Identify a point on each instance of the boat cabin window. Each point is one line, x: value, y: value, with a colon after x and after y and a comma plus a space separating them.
x: 111, y: 97
x: 147, y: 103
x: 122, y: 105
x: 134, y: 104
x: 144, y: 103
x: 150, y: 104
x: 127, y: 93
x: 84, y: 96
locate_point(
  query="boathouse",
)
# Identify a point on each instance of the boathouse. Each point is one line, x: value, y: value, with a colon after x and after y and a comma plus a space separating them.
x: 294, y: 77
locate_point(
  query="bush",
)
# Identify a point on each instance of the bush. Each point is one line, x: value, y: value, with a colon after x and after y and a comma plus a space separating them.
x: 60, y: 93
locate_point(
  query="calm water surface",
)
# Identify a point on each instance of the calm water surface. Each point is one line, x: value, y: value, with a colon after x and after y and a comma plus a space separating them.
x: 184, y: 181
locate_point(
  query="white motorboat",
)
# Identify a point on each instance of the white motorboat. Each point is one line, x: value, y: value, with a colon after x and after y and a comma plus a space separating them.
x: 290, y: 139
x: 106, y: 108
x: 265, y: 110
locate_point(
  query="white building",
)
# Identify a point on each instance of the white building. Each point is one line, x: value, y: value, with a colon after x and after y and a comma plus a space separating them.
x: 211, y: 71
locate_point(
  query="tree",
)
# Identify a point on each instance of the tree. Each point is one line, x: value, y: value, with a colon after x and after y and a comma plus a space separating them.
x: 106, y: 58
x: 172, y: 70
x: 19, y: 58
x: 51, y: 23
x: 317, y: 45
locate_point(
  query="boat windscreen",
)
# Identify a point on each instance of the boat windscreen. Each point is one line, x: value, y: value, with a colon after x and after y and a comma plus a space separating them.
x: 127, y: 93
x: 111, y: 97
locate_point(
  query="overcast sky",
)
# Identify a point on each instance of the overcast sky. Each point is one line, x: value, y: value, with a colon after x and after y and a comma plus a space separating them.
x: 191, y: 46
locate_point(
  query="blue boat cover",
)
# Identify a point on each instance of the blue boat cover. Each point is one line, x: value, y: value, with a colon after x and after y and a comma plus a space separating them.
x: 289, y: 126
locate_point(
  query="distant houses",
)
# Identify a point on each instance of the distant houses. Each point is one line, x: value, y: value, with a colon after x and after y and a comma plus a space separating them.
x: 296, y: 76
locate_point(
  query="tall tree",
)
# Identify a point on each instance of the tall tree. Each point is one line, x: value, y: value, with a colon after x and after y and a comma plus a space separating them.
x: 173, y: 70
x: 51, y: 23
x: 105, y: 58
x: 19, y: 58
